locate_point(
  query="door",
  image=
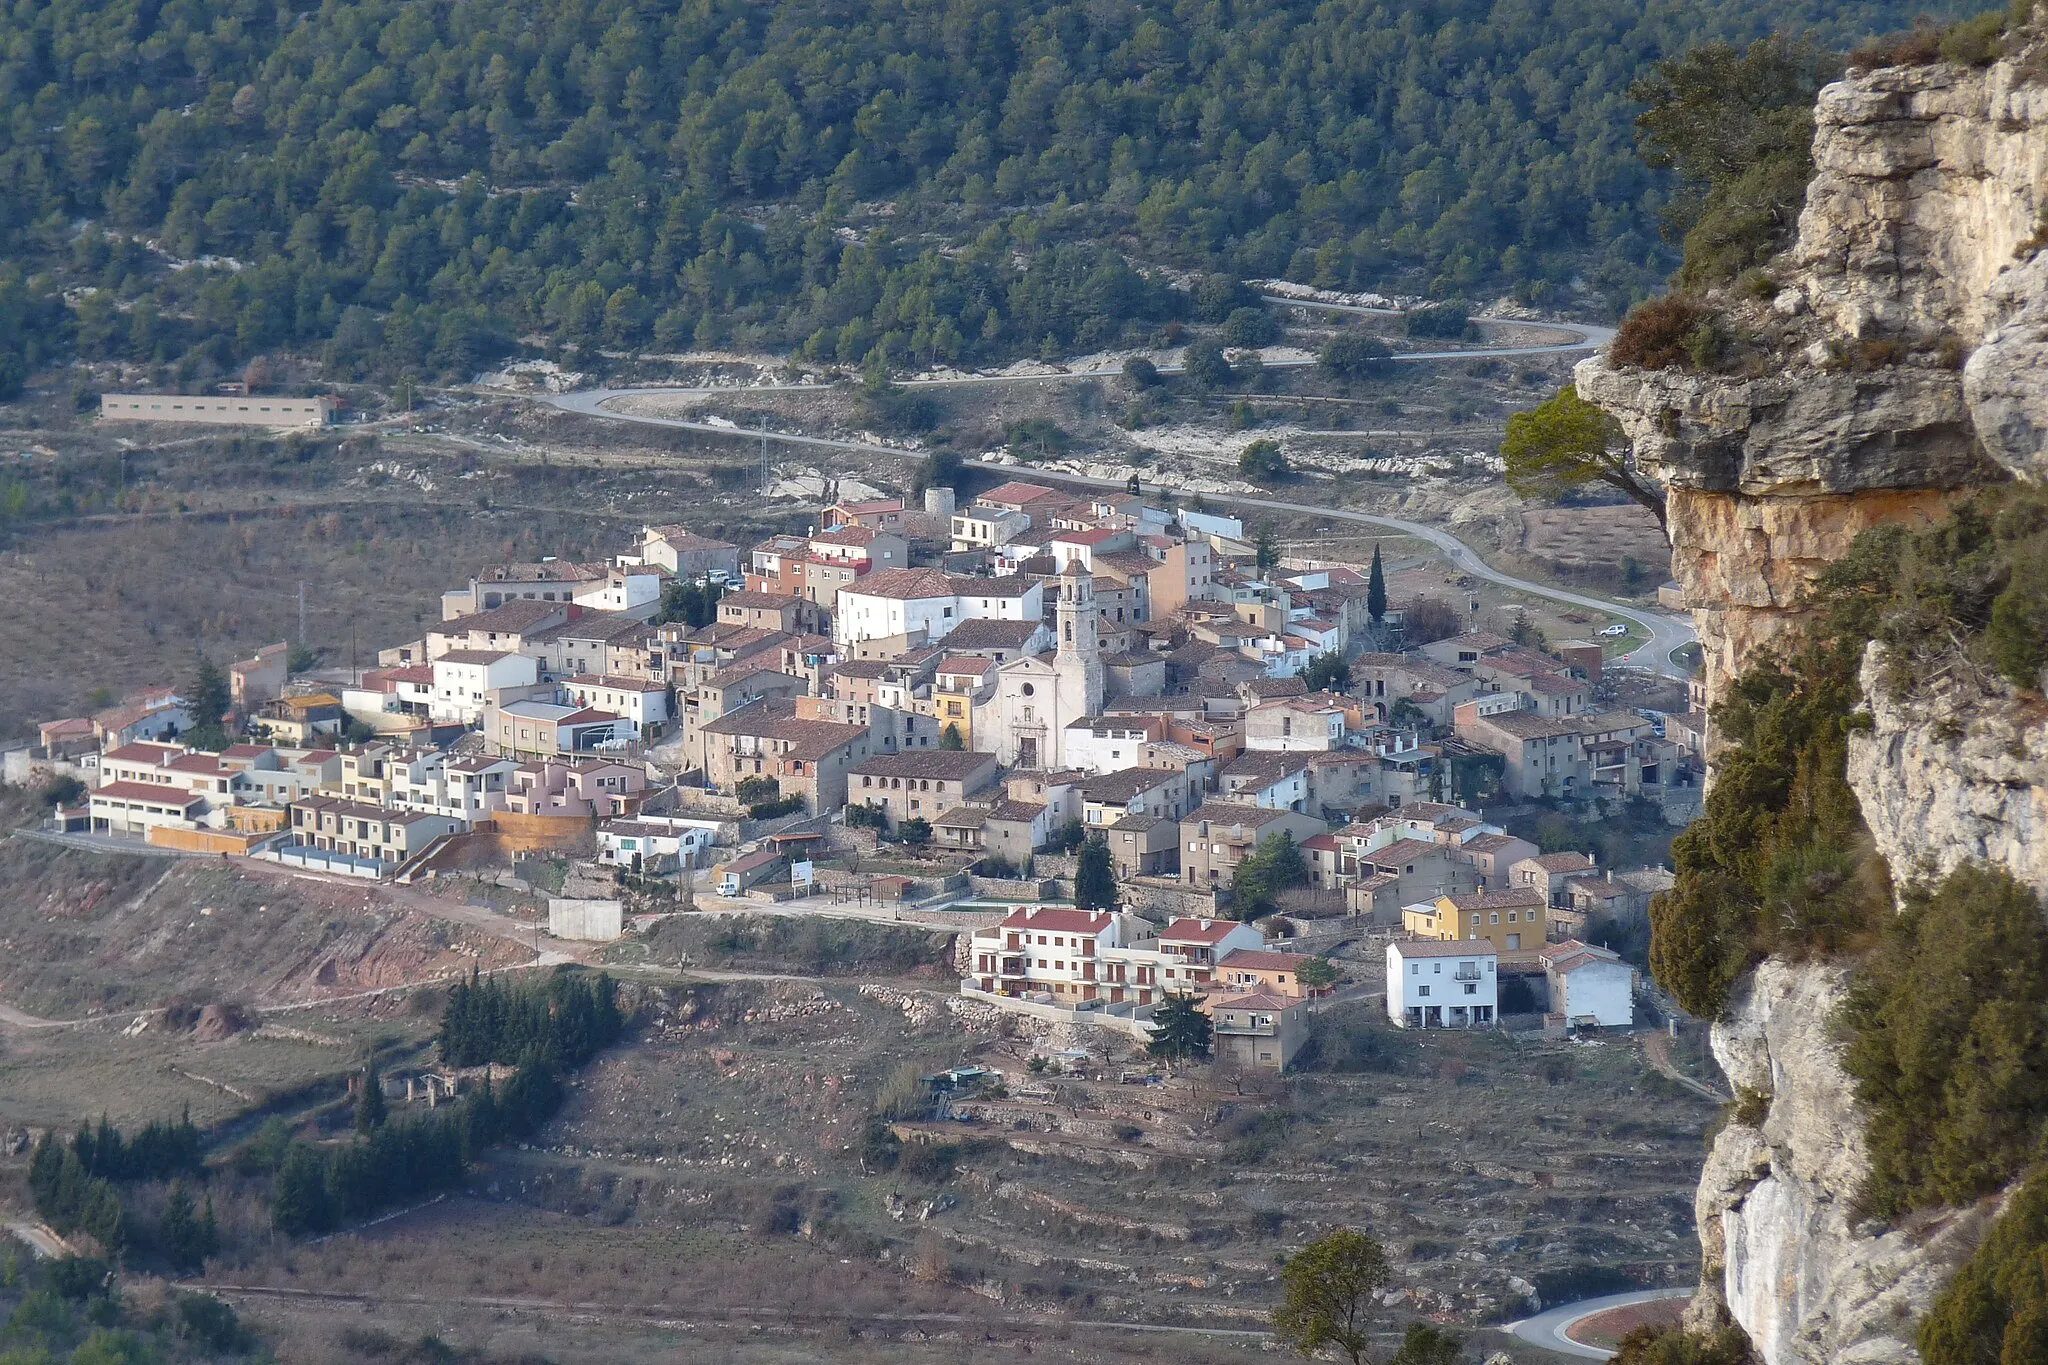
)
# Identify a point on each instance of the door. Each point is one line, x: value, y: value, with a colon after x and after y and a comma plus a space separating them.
x: 1514, y: 942
x: 1027, y: 753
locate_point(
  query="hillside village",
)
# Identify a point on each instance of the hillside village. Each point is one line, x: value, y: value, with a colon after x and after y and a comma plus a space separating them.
x: 958, y: 706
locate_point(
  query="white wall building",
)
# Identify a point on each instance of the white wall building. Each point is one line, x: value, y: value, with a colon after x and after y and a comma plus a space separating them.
x: 642, y: 703
x: 1590, y: 985
x: 893, y: 602
x: 1433, y: 984
x: 631, y: 591
x: 466, y: 679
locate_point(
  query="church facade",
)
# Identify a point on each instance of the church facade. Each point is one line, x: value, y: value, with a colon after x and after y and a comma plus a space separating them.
x: 1025, y: 718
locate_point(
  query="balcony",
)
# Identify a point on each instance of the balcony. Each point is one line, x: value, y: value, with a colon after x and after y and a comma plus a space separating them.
x: 1464, y: 975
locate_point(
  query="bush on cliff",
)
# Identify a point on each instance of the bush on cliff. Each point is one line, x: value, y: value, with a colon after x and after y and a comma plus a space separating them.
x: 1996, y: 1308
x: 1780, y: 861
x: 1947, y: 1027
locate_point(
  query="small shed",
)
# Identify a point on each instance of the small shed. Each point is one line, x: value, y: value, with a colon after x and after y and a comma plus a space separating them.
x: 890, y: 887
x: 749, y: 869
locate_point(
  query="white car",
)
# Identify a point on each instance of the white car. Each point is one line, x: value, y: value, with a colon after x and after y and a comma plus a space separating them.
x: 1615, y: 630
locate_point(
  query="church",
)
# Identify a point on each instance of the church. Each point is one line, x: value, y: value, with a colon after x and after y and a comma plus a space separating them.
x: 1024, y: 721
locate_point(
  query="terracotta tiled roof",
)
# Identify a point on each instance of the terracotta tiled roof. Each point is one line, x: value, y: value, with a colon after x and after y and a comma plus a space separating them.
x: 1052, y: 920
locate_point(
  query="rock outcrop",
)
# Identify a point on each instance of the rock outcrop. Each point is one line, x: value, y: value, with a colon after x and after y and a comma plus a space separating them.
x: 1783, y: 1253
x: 1915, y: 252
x: 1957, y: 773
x: 1907, y: 330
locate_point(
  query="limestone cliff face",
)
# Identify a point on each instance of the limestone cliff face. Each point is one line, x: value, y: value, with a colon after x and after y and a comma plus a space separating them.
x: 1782, y: 1252
x: 1909, y: 330
x: 1916, y: 250
x: 1958, y: 773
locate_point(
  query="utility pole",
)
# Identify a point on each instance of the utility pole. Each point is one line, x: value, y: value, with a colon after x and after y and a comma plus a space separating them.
x: 764, y: 456
x: 302, y: 613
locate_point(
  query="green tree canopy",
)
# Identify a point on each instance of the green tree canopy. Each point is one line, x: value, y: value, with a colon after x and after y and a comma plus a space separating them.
x: 1327, y: 1295
x: 1180, y: 1031
x: 1094, y: 876
x: 1376, y: 589
x: 1277, y: 866
x: 1355, y: 354
x: 1327, y: 673
x: 1737, y: 128
x: 1263, y: 462
x: 1567, y: 443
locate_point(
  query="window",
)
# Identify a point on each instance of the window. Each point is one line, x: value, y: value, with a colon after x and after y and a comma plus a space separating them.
x: 1422, y: 990
x: 1415, y: 969
x: 1436, y: 968
x: 1496, y: 917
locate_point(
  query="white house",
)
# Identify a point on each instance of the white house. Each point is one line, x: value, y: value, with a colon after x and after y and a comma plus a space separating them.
x: 633, y: 591
x: 1437, y: 984
x: 1590, y: 985
x: 468, y: 680
x: 1106, y: 744
x: 905, y: 602
x: 656, y: 843
x: 641, y: 702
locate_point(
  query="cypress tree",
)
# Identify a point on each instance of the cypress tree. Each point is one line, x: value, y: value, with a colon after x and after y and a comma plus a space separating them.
x: 370, y: 1107
x: 1376, y: 589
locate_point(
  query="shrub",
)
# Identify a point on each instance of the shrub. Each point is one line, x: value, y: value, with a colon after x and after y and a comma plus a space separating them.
x: 1038, y: 438
x: 1975, y: 42
x: 1204, y: 365
x: 1353, y: 354
x: 1445, y: 321
x: 1263, y: 461
x: 1996, y: 1307
x: 1917, y: 46
x: 756, y: 789
x: 1656, y: 335
x: 1945, y: 1022
x: 1141, y: 372
x: 1780, y: 861
x: 1248, y: 327
x: 1648, y: 1346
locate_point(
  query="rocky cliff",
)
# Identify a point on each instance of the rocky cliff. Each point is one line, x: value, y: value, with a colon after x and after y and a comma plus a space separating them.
x: 1914, y: 254
x: 1904, y: 359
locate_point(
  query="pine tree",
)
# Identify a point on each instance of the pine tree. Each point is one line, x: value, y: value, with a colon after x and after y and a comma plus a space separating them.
x: 1376, y: 589
x: 178, y: 1233
x: 209, y: 696
x: 298, y: 1202
x: 1179, y: 1030
x: 1094, y: 877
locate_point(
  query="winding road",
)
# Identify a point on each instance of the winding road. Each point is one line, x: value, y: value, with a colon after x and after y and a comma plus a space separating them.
x: 1547, y: 1329
x: 1667, y: 632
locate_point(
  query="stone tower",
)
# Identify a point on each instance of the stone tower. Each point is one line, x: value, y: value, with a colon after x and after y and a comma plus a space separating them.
x: 1079, y: 660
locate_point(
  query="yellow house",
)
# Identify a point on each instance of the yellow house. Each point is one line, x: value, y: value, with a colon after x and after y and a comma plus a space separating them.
x: 1512, y: 921
x: 954, y: 686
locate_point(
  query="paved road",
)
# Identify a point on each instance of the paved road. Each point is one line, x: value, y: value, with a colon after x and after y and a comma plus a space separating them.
x: 1581, y: 336
x: 1547, y: 1329
x: 46, y: 1244
x: 1666, y: 631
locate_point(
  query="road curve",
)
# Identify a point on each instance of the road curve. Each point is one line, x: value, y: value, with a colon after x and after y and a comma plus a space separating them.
x: 1547, y: 1329
x: 1667, y: 632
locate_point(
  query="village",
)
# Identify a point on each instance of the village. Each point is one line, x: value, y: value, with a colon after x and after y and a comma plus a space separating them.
x: 1130, y: 753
